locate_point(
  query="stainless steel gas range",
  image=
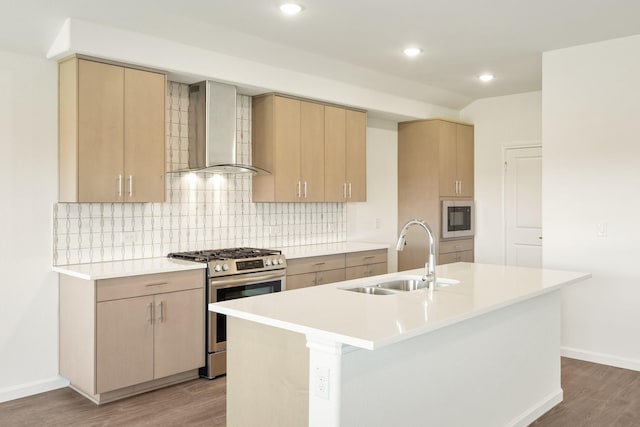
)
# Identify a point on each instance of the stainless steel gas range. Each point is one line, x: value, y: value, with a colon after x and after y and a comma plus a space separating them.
x: 233, y: 273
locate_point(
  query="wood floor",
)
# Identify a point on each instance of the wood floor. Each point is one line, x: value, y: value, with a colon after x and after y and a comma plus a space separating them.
x: 594, y: 396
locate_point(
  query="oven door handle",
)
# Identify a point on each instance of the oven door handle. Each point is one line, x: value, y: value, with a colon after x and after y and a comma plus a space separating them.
x: 225, y: 282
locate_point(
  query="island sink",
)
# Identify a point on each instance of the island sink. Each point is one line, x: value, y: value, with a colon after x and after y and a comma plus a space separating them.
x: 398, y: 285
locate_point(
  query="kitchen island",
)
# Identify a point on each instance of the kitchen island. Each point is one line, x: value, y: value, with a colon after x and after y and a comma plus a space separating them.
x: 484, y: 350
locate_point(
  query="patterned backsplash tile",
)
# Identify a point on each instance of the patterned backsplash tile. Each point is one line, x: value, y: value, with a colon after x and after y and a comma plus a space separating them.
x: 202, y: 210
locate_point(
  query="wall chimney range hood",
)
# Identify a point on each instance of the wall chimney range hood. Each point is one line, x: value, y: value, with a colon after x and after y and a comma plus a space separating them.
x: 212, y: 130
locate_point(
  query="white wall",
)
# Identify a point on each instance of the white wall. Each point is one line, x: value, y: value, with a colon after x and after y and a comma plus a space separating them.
x: 376, y: 220
x: 28, y: 184
x: 591, y: 176
x: 499, y: 122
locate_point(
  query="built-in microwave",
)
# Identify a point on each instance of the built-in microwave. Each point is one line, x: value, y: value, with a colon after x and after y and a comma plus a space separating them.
x: 457, y: 218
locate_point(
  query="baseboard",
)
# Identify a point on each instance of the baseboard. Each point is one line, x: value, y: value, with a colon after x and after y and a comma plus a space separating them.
x: 29, y: 389
x: 603, y: 359
x: 537, y: 410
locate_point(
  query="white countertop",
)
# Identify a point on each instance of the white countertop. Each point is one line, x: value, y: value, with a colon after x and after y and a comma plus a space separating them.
x: 134, y: 267
x: 375, y: 321
x: 292, y: 252
x: 137, y: 267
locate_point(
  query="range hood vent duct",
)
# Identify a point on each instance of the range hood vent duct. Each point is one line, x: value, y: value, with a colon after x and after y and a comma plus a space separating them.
x: 212, y: 130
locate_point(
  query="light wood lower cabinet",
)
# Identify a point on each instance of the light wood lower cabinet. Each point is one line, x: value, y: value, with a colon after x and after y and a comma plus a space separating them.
x: 124, y: 336
x: 451, y: 251
x: 365, y: 264
x: 320, y: 270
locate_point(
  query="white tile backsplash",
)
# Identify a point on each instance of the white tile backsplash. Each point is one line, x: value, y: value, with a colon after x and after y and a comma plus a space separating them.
x: 202, y: 210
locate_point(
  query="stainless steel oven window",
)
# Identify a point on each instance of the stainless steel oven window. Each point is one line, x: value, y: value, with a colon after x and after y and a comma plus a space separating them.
x: 226, y: 288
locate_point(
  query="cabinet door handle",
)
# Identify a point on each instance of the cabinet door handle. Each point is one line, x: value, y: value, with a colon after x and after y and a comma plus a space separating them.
x: 130, y: 185
x: 298, y: 192
x: 119, y: 185
x: 460, y: 187
x: 161, y: 310
x: 344, y: 190
x: 305, y: 189
x: 319, y: 263
x: 150, y: 313
x: 349, y: 190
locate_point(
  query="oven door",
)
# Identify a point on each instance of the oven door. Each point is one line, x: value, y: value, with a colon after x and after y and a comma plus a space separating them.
x: 457, y: 218
x: 240, y: 286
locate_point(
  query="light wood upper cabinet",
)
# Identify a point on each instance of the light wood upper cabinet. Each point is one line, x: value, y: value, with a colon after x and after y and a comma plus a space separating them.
x: 287, y: 139
x: 356, y: 165
x: 345, y: 155
x: 312, y: 151
x: 315, y: 152
x: 456, y: 159
x: 465, y: 156
x: 111, y: 133
x: 144, y: 135
x: 335, y: 148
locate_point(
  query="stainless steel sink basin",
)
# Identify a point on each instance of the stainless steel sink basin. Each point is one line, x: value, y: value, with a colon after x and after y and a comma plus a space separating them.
x: 372, y: 290
x: 404, y: 284
x: 399, y: 285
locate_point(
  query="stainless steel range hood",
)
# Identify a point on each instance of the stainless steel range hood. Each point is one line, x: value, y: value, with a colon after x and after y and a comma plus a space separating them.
x: 212, y: 129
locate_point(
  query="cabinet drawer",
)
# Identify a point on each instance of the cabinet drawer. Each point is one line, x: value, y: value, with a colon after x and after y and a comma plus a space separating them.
x: 148, y: 284
x: 360, y: 271
x: 366, y: 257
x: 464, y: 256
x: 298, y: 281
x: 330, y: 276
x: 456, y: 246
x: 314, y: 264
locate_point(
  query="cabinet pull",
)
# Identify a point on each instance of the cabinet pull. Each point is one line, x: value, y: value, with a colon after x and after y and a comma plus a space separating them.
x: 157, y: 284
x: 319, y: 263
x: 349, y: 190
x: 305, y: 189
x: 369, y: 257
x: 344, y: 190
x: 119, y: 185
x: 459, y: 187
x: 150, y: 312
x: 161, y: 317
x: 130, y: 185
x: 298, y: 192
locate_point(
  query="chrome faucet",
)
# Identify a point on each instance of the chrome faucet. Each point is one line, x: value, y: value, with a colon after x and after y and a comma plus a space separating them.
x: 430, y: 266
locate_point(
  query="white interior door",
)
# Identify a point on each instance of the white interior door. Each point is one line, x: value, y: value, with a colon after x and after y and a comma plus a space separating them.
x: 523, y: 206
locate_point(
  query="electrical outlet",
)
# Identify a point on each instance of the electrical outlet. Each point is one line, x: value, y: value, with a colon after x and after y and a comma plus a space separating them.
x: 602, y: 229
x: 322, y: 383
x: 378, y: 223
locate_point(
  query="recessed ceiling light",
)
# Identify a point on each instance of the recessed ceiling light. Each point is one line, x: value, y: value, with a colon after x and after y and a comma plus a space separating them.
x: 412, y: 51
x: 290, y: 8
x: 486, y: 77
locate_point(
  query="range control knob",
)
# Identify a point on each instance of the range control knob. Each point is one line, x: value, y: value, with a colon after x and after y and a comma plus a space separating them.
x: 267, y: 262
x: 225, y: 267
x: 280, y: 261
x: 217, y: 268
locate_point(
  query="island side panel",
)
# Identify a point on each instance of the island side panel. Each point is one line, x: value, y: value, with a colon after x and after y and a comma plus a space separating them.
x: 498, y: 369
x: 267, y: 375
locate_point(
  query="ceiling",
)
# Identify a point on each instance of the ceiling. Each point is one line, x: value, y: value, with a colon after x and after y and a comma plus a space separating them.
x: 356, y: 41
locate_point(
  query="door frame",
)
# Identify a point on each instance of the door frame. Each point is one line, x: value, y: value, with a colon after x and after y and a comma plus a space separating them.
x: 505, y: 150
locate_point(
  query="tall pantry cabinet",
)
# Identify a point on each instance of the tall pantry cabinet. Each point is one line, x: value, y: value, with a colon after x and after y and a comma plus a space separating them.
x: 435, y: 163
